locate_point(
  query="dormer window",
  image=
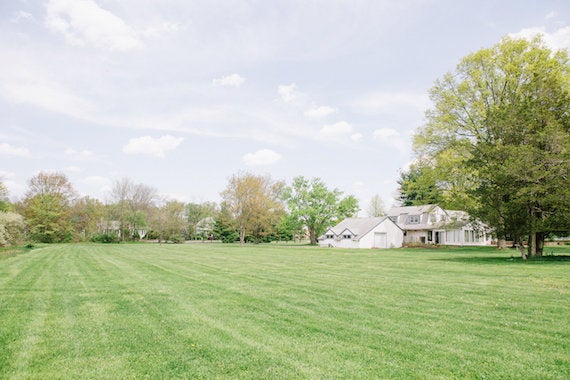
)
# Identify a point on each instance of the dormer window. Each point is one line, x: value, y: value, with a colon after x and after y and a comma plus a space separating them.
x: 413, y: 219
x: 347, y: 236
x: 329, y: 236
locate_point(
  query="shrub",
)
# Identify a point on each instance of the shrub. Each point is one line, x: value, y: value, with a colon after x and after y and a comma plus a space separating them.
x: 105, y: 238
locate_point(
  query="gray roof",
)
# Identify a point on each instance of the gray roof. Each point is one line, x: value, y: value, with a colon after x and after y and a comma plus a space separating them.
x: 411, y: 210
x: 358, y: 226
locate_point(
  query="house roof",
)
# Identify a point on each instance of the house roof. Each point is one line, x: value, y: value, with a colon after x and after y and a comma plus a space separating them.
x: 411, y: 210
x: 358, y: 226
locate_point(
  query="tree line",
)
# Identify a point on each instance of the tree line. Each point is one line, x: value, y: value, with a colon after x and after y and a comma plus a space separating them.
x: 496, y: 143
x: 254, y: 208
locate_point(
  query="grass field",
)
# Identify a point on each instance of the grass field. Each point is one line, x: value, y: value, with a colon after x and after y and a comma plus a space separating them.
x: 219, y: 311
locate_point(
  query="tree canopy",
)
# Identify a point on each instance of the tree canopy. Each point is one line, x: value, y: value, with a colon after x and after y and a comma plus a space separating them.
x: 311, y: 203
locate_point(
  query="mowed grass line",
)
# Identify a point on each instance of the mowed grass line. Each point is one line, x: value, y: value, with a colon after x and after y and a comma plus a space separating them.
x: 218, y: 311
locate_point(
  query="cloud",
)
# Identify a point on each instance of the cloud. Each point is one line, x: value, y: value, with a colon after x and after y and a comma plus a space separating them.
x: 21, y: 15
x: 340, y: 132
x: 9, y: 150
x: 234, y: 80
x: 79, y: 155
x: 551, y: 14
x: 25, y: 84
x: 385, y: 133
x: 84, y: 22
x: 391, y: 137
x: 262, y: 157
x: 319, y: 112
x: 152, y: 146
x: 559, y: 39
x: 390, y: 102
x: 289, y: 93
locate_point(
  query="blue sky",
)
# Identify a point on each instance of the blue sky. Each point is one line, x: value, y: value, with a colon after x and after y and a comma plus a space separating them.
x: 181, y: 94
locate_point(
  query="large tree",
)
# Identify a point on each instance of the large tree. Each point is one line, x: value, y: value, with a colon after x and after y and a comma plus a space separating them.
x: 47, y: 207
x: 253, y: 200
x: 504, y: 115
x: 311, y: 203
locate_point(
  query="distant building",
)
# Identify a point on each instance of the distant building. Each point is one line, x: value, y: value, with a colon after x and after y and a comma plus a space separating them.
x: 427, y: 224
x: 363, y: 233
x: 430, y: 224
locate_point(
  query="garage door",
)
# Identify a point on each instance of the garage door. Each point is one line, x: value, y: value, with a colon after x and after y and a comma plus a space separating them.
x: 380, y: 240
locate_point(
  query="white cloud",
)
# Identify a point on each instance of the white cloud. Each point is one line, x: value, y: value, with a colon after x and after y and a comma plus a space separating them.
x: 234, y: 80
x: 262, y: 157
x: 390, y: 102
x: 385, y: 133
x: 340, y: 131
x: 559, y: 39
x: 21, y: 15
x: 319, y: 112
x: 356, y: 136
x: 9, y: 150
x: 73, y: 169
x: 25, y: 84
x: 80, y: 155
x: 391, y: 137
x: 551, y: 14
x: 84, y: 22
x: 289, y: 93
x: 152, y: 146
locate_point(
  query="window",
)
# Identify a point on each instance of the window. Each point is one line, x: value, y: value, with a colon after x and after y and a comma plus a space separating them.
x: 329, y: 236
x: 430, y: 235
x: 413, y: 219
x: 346, y: 236
x: 432, y: 218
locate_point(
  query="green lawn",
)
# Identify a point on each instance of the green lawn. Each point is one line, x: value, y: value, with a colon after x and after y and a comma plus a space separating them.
x: 219, y: 311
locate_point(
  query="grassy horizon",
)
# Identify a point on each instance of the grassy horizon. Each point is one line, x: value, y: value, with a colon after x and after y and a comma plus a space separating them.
x: 270, y: 311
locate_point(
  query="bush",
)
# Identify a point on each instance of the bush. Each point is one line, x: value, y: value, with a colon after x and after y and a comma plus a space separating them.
x: 105, y: 238
x: 176, y: 239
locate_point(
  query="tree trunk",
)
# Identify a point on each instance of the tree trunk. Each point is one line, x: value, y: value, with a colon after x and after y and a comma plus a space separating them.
x: 540, y: 243
x: 242, y: 235
x: 312, y: 236
x: 501, y: 243
x: 521, y: 247
x: 532, y: 244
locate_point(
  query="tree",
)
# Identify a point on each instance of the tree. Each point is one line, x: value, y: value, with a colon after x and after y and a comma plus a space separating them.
x: 133, y: 203
x: 311, y: 203
x: 86, y: 214
x: 12, y: 228
x: 504, y: 114
x: 47, y: 207
x: 253, y: 201
x: 4, y: 203
x: 418, y: 186
x: 376, y: 206
x: 197, y: 212
x: 225, y: 228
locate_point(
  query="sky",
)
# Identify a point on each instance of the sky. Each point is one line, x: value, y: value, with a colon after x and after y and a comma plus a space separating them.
x: 181, y: 94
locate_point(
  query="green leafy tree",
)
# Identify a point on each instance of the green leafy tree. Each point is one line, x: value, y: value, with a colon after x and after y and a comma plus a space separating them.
x: 316, y: 207
x: 47, y: 207
x: 225, y: 226
x: 86, y: 214
x: 197, y: 212
x: 253, y: 201
x: 504, y: 114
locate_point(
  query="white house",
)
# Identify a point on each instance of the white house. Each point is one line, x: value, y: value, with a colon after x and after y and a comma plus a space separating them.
x: 363, y: 233
x: 430, y: 224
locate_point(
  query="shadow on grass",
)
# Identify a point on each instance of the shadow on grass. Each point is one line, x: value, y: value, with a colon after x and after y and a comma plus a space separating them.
x: 507, y: 260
